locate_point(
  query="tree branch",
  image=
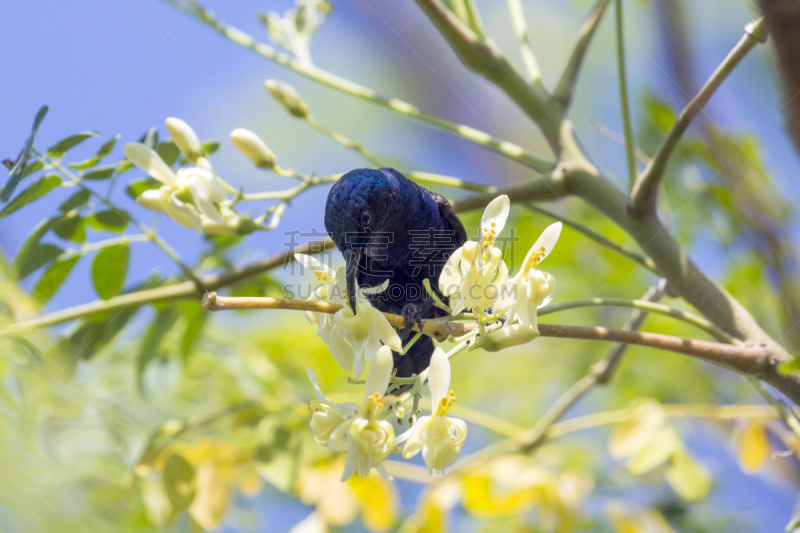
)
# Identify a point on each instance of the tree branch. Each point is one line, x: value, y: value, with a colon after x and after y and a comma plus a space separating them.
x: 605, y: 368
x: 180, y: 291
x: 645, y: 191
x: 783, y: 22
x: 569, y: 78
x: 624, y: 101
x: 485, y: 58
x: 754, y: 361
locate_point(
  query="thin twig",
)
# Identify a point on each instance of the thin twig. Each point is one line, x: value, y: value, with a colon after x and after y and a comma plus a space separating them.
x: 645, y: 192
x: 569, y: 78
x: 755, y: 361
x: 602, y: 240
x: 606, y: 367
x: 521, y: 29
x: 483, y: 57
x: 180, y: 291
x: 625, y: 105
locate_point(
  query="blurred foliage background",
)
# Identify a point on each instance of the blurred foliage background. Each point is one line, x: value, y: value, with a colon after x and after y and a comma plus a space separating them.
x: 165, y: 418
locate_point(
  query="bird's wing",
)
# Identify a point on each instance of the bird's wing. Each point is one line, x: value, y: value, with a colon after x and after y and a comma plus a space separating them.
x: 449, y: 214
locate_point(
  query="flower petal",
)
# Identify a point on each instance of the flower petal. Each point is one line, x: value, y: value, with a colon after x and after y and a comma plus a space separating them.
x: 385, y: 332
x: 350, y: 465
x: 148, y: 160
x: 184, y: 138
x: 438, y: 377
x: 341, y: 351
x: 312, y: 377
x: 200, y: 195
x: 380, y: 372
x: 383, y: 472
x: 312, y: 264
x: 182, y: 213
x: 544, y: 244
x: 450, y: 278
x: 376, y: 289
x: 495, y: 215
x: 153, y: 199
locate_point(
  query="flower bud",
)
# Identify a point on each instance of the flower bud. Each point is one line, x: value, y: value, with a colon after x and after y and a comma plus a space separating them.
x: 185, y: 139
x: 506, y: 337
x: 253, y: 147
x: 288, y: 97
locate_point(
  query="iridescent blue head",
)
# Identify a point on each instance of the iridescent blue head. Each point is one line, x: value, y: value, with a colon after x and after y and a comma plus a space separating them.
x: 362, y: 203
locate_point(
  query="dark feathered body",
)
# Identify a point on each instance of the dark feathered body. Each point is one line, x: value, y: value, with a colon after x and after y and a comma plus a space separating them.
x: 389, y: 227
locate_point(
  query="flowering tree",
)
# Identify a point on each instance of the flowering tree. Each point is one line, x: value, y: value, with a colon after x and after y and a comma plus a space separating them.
x: 251, y: 433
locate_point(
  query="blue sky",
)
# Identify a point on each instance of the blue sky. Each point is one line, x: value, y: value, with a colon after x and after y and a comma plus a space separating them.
x: 124, y: 66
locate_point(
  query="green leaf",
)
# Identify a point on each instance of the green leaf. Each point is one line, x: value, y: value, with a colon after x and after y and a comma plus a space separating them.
x: 195, y: 316
x: 109, y: 270
x: 71, y: 228
x: 148, y: 351
x: 115, y: 221
x: 67, y: 143
x: 100, y: 173
x: 15, y: 174
x: 53, y: 278
x: 31, y: 168
x: 689, y: 480
x: 180, y: 482
x: 150, y: 138
x: 169, y: 152
x: 660, y: 449
x: 210, y: 146
x: 791, y: 366
x: 39, y: 188
x: 157, y: 504
x: 33, y: 238
x: 78, y: 199
x: 793, y: 525
x: 104, y: 150
x: 135, y: 188
x: 95, y: 333
x: 108, y: 146
x: 36, y: 257
x: 660, y: 113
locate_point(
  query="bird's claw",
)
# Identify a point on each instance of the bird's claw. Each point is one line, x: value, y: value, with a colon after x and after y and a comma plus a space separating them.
x: 412, y: 316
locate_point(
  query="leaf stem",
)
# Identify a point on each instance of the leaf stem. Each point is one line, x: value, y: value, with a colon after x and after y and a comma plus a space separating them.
x: 630, y: 141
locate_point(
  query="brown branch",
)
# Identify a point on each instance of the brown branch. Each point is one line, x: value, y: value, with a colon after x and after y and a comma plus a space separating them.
x: 783, y: 22
x: 754, y: 361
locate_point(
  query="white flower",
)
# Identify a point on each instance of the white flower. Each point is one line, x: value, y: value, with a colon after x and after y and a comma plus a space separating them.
x: 253, y: 147
x: 476, y: 273
x: 327, y: 415
x: 185, y: 139
x: 530, y: 288
x: 355, y: 338
x: 366, y: 440
x: 186, y: 196
x: 330, y: 289
x: 439, y: 437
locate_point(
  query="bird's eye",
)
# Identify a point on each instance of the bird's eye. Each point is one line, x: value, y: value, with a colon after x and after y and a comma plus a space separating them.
x: 366, y: 218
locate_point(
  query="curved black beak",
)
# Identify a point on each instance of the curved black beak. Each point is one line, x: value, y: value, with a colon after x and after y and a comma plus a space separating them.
x: 352, y: 258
